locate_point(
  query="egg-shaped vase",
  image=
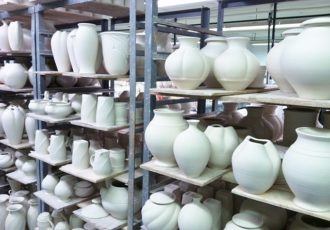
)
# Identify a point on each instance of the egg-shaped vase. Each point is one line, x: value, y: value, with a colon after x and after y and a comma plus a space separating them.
x: 273, y: 60
x: 86, y: 55
x: 305, y: 164
x: 308, y: 223
x: 63, y: 190
x: 60, y: 51
x: 15, y: 75
x: 4, y: 42
x: 187, y: 67
x: 49, y: 183
x: 236, y: 68
x: 161, y: 133
x: 15, y: 36
x: 192, y: 150
x: 214, y: 47
x: 160, y: 212
x: 309, y: 74
x: 256, y: 165
x: 195, y: 209
x: 13, y: 123
x: 224, y: 141
x: 115, y: 50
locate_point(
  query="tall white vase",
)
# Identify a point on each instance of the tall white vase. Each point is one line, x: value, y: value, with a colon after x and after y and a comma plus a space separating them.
x: 236, y: 67
x: 13, y: 123
x: 88, y: 108
x: 70, y: 42
x: 15, y: 36
x: 105, y: 111
x: 2, y: 109
x: 15, y: 75
x: 30, y: 127
x: 86, y: 55
x: 60, y: 51
x: 214, y: 47
x: 273, y: 61
x: 32, y: 214
x: 121, y: 113
x: 56, y: 147
x: 16, y: 219
x: 80, y: 155
x: 3, y: 210
x: 4, y: 42
x: 41, y: 141
x: 187, y: 67
x: 115, y: 50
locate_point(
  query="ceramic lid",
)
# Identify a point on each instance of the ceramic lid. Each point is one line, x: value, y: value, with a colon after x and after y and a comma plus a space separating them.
x: 320, y: 21
x: 248, y: 220
x: 162, y: 197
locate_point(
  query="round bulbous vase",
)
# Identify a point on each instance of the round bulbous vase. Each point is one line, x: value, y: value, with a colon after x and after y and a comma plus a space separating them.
x: 32, y: 214
x: 195, y: 209
x: 236, y: 68
x: 214, y: 47
x: 256, y: 165
x: 246, y: 220
x: 161, y: 212
x: 187, y: 67
x: 60, y: 51
x: 13, y: 123
x: 4, y: 42
x: 3, y: 210
x: 310, y: 80
x: 273, y: 60
x: 115, y: 50
x: 63, y: 190
x: 15, y: 75
x: 86, y: 56
x: 16, y: 219
x: 15, y: 36
x: 274, y: 121
x: 305, y: 164
x: 192, y: 158
x: 160, y: 144
x: 224, y: 141
x: 29, y: 168
x: 308, y: 223
x: 229, y: 115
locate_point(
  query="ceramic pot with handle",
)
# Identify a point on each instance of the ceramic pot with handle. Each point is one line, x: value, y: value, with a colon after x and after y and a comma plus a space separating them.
x: 100, y: 162
x: 44, y: 221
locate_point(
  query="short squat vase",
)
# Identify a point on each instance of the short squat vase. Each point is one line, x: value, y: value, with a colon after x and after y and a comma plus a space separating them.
x: 15, y: 36
x: 13, y: 123
x: 311, y: 79
x: 187, y: 67
x: 16, y: 219
x: 86, y: 56
x: 192, y: 158
x: 256, y: 165
x: 236, y: 67
x: 305, y: 164
x: 274, y: 66
x: 60, y: 51
x: 115, y: 50
x: 161, y: 212
x: 160, y: 144
x: 214, y: 47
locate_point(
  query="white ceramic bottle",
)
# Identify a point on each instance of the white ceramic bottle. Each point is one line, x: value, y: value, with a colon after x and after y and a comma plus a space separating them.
x: 13, y: 123
x: 15, y: 36
x: 60, y: 51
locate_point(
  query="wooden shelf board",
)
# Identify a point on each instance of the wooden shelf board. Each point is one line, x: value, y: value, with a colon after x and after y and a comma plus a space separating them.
x: 109, y: 222
x: 102, y: 128
x: 205, y: 92
x: 209, y: 175
x: 10, y: 169
x: 65, y: 17
x: 88, y: 174
x: 48, y: 119
x: 45, y: 158
x: 23, y: 145
x: 282, y: 198
x: 279, y: 98
x: 10, y: 6
x: 20, y: 177
x: 96, y: 76
x: 124, y: 177
x: 8, y: 89
x: 57, y: 203
x: 48, y: 73
x: 15, y: 53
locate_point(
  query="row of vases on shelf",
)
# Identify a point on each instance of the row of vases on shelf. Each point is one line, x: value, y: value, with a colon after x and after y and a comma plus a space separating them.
x: 225, y: 62
x: 307, y: 75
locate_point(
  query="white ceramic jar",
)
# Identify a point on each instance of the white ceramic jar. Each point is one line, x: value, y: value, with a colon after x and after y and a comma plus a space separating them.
x: 60, y: 51
x: 49, y: 183
x: 305, y: 165
x: 15, y: 75
x: 15, y: 36
x: 100, y: 162
x: 4, y: 42
x: 187, y: 67
x: 88, y: 108
x: 256, y: 165
x: 32, y: 213
x: 13, y: 123
x: 304, y: 61
x: 160, y: 144
x: 2, y: 109
x: 80, y: 155
x: 56, y: 148
x: 3, y: 210
x: 63, y: 190
x: 6, y: 159
x: 236, y: 67
x: 105, y: 111
x: 246, y: 220
x: 16, y: 219
x: 29, y: 168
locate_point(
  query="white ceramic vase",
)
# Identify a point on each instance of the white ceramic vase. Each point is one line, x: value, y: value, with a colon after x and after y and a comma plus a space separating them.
x: 121, y: 113
x: 15, y: 75
x: 3, y: 210
x: 80, y: 155
x: 160, y: 144
x: 273, y: 61
x: 41, y: 141
x: 15, y: 36
x: 214, y: 206
x: 214, y: 47
x: 60, y: 51
x: 44, y: 221
x: 304, y: 167
x: 256, y: 165
x: 246, y: 220
x: 32, y: 214
x: 88, y: 108
x: 70, y: 42
x: 187, y: 67
x: 192, y: 158
x: 13, y: 123
x: 117, y: 159
x: 105, y: 111
x: 276, y: 124
x: 49, y: 183
x: 311, y: 79
x: 236, y: 67
x: 6, y: 159
x: 16, y: 219
x: 30, y: 127
x: 100, y: 162
x: 63, y: 190
x: 4, y: 42
x: 229, y: 115
x: 86, y: 56
x: 160, y: 212
x: 56, y: 148
x: 224, y: 141
x: 115, y: 50
x: 196, y: 209
x: 29, y: 168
